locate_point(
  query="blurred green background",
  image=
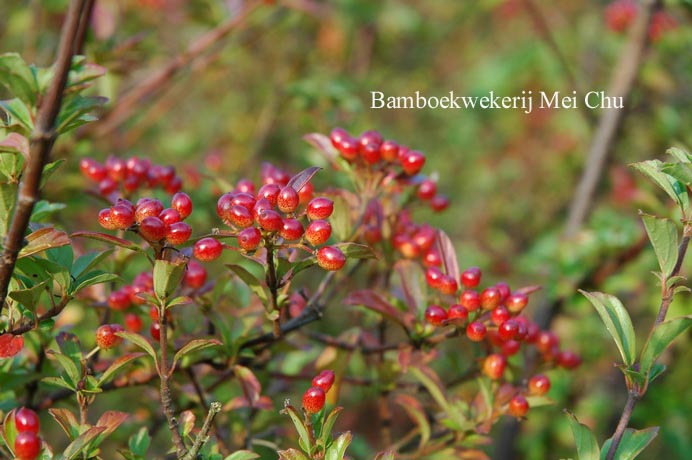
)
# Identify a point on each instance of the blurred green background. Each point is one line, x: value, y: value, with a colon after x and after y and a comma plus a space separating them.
x: 306, y: 66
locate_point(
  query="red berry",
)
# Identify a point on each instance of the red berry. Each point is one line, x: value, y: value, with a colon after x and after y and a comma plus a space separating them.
x: 119, y: 300
x: 476, y: 331
x: 448, y: 285
x: 516, y: 302
x: 26, y: 420
x: 490, y: 298
x: 178, y: 233
x: 372, y: 234
x: 661, y: 23
x: 470, y: 299
x: 182, y: 203
x: 105, y: 220
x: 546, y: 342
x: 270, y: 220
x: 239, y: 216
x: 504, y: 290
x: 330, y: 258
x: 424, y: 237
x: 116, y: 167
x: 170, y: 216
x: 288, y: 199
x: 106, y: 338
x: 291, y: 229
x: 439, y: 203
x: 318, y: 232
x: 433, y: 277
x: 27, y: 445
x: 174, y: 185
x: 122, y: 216
x: 494, y: 365
x: 249, y: 238
x: 371, y: 153
x: 389, y: 151
x: 412, y: 162
x: 306, y: 193
x: 155, y: 331
x: 532, y: 332
x: 262, y: 204
x: 133, y: 322
x: 324, y: 380
x: 195, y: 275
x: 427, y: 189
x: 107, y: 186
x: 471, y: 277
x: 499, y: 315
x: 508, y: 330
x: 620, y: 14
x: 270, y: 192
x: 568, y: 359
x: 435, y: 315
x: 458, y: 312
x: 539, y: 385
x: 337, y: 136
x: 349, y: 148
x: 245, y: 200
x: 510, y: 347
x: 518, y: 406
x: 432, y: 258
x: 152, y: 229
x: 319, y: 208
x: 313, y: 400
x: 93, y: 169
x: 148, y: 208
x: 207, y: 249
x: 245, y: 186
x: 370, y: 137
x: 223, y: 205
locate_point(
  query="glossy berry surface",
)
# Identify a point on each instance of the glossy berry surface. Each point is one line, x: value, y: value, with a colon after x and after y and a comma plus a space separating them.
x: 324, y: 380
x: 435, y: 315
x: 313, y: 400
x: 490, y: 298
x: 26, y: 420
x: 412, y: 162
x: 470, y: 299
x: 119, y: 300
x: 288, y: 199
x: 182, y: 203
x: 539, y: 385
x: 249, y: 239
x: 427, y: 189
x: 319, y: 208
x: 518, y: 406
x: 27, y: 445
x: 178, y: 233
x: 106, y: 338
x: 457, y: 312
x: 471, y: 277
x: 476, y: 331
x: 494, y: 366
x: 207, y: 249
x: 195, y: 275
x: 318, y: 232
x: 152, y: 229
x: 133, y: 322
x: 330, y: 258
x: 291, y: 229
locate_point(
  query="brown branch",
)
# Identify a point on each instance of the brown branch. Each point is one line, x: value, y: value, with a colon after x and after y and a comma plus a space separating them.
x: 632, y: 398
x: 84, y: 26
x: 158, y: 80
x: 28, y: 325
x: 622, y: 83
x: 42, y: 140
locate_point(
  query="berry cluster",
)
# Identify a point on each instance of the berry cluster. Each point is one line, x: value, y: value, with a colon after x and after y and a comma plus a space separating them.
x: 150, y: 219
x: 493, y: 315
x: 272, y: 215
x: 416, y: 241
x: 106, y: 337
x: 27, y: 444
x: 620, y: 14
x: 314, y: 397
x: 126, y: 176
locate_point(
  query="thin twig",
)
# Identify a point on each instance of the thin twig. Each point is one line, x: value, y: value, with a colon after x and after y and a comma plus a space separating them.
x: 201, y: 438
x: 42, y: 140
x: 166, y: 400
x: 84, y: 26
x: 632, y: 398
x: 622, y: 83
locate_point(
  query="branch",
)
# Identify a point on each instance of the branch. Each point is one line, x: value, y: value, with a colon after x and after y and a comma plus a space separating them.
x: 42, y: 139
x: 622, y: 82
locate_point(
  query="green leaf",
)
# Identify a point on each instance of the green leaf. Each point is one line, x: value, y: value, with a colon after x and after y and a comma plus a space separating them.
x: 587, y: 447
x: 29, y: 297
x: 8, y: 197
x: 656, y: 370
x: 18, y: 114
x: 141, y: 342
x: 167, y: 278
x: 139, y: 442
x: 356, y: 251
x: 74, y: 373
x: 661, y: 337
x: 653, y: 170
x: 61, y: 255
x: 67, y: 421
x: 50, y: 169
x: 92, y: 278
x: 617, y: 321
x: 300, y: 427
x: 291, y: 454
x: 70, y: 346
x: 242, y: 455
x: 109, y: 239
x: 83, y: 442
x: 9, y: 429
x: 664, y: 238
x: 432, y: 383
x: 88, y: 261
x: 415, y: 410
x: 328, y: 425
x: 58, y: 382
x: 679, y: 154
x: 337, y: 450
x: 43, y: 239
x: 117, y: 365
x: 72, y: 112
x: 631, y: 444
x: 194, y: 346
x: 251, y: 281
x: 17, y: 77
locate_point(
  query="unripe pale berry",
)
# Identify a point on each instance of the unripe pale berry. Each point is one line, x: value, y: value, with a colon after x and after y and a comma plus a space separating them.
x: 207, y: 249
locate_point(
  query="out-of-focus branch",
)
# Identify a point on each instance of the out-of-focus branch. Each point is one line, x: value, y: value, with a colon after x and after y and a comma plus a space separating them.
x: 158, y: 80
x: 621, y: 85
x: 42, y: 139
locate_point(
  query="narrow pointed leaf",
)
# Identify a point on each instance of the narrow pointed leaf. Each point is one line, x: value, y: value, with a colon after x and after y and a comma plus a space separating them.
x: 77, y: 446
x: 633, y: 442
x: 663, y: 235
x: 140, y: 341
x: 617, y: 321
x: 587, y: 447
x: 118, y: 365
x: 194, y: 346
x: 299, y: 180
x: 660, y: 339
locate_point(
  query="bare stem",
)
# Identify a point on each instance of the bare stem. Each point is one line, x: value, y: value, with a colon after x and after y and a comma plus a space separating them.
x: 42, y: 140
x: 202, y: 436
x: 273, y: 284
x: 632, y: 398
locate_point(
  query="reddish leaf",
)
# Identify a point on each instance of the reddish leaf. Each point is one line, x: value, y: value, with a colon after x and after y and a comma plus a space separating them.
x: 106, y: 238
x: 411, y: 284
x: 449, y: 256
x: 299, y: 180
x: 10, y: 345
x: 249, y: 383
x: 369, y: 299
x: 111, y: 420
x: 42, y: 239
x: 528, y: 290
x: 15, y: 143
x: 324, y: 145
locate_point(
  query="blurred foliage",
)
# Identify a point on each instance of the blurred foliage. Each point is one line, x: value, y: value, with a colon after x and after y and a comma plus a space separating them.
x: 510, y: 175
